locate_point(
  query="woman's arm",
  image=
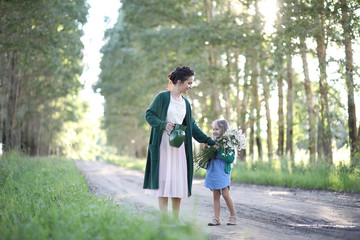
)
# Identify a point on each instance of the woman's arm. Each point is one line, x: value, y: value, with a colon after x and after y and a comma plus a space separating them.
x: 199, y: 135
x: 153, y: 112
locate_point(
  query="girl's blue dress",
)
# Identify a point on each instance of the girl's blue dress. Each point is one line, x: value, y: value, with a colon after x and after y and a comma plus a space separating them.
x: 216, y: 177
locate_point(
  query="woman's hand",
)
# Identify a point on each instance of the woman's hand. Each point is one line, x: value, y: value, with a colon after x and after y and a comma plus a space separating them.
x: 215, y: 146
x: 169, y: 126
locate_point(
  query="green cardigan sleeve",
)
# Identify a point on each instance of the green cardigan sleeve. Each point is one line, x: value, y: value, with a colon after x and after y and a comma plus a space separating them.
x: 199, y: 135
x: 154, y: 113
x: 228, y: 159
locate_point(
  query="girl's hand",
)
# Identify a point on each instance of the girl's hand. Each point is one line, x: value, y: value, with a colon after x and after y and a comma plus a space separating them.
x: 169, y: 126
x: 216, y: 146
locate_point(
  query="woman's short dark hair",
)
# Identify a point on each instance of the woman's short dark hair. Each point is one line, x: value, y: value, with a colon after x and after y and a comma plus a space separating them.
x: 181, y: 73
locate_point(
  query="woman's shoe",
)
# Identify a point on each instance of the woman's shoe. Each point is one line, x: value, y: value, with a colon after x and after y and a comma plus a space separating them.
x: 232, y: 220
x: 214, y: 222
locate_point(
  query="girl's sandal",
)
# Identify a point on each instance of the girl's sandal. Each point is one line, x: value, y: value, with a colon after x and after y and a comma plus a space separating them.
x: 232, y: 220
x: 214, y: 222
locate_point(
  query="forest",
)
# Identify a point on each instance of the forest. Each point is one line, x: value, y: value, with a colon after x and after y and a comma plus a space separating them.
x: 291, y: 89
x: 40, y: 66
x: 286, y: 72
x: 291, y: 84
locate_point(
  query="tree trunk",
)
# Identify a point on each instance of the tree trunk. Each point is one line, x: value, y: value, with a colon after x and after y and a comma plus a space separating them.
x: 33, y: 137
x: 252, y: 111
x: 325, y: 124
x: 256, y: 106
x: 289, y: 110
x: 226, y: 88
x: 237, y: 85
x: 252, y: 133
x: 280, y: 150
x: 242, y: 109
x: 353, y: 137
x: 268, y: 117
x: 215, y: 104
x: 309, y: 101
x: 2, y: 87
x: 10, y: 123
x: 213, y: 62
x: 2, y: 99
x: 19, y: 120
x: 256, y: 79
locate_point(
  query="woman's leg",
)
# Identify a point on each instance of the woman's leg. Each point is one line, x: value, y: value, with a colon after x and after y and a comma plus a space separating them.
x: 163, y: 205
x: 216, y: 200
x: 176, y: 207
x: 228, y: 200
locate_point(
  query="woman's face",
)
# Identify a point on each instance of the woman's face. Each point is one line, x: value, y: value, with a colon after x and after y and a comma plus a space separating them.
x: 187, y: 85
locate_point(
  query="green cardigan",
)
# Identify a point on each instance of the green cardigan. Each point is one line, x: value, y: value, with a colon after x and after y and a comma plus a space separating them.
x: 228, y: 159
x: 156, y: 117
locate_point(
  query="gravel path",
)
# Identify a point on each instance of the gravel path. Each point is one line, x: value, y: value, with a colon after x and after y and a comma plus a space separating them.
x: 264, y: 212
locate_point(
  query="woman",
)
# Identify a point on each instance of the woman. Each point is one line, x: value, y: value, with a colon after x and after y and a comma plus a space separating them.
x: 169, y: 170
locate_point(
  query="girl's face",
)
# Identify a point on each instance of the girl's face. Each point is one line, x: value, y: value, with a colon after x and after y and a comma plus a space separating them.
x: 185, y: 86
x: 217, y: 132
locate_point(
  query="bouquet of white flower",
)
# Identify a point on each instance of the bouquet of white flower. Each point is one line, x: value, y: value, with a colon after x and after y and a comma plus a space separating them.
x: 229, y: 141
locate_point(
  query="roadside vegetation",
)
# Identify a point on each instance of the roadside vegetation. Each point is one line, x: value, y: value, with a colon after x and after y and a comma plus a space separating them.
x: 47, y: 198
x: 280, y: 172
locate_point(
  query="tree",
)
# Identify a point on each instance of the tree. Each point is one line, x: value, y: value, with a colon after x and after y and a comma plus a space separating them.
x: 309, y: 101
x: 302, y: 24
x: 349, y: 73
x: 325, y: 143
x: 267, y: 109
x: 242, y: 108
x: 40, y: 65
x: 289, y: 100
x: 281, y: 116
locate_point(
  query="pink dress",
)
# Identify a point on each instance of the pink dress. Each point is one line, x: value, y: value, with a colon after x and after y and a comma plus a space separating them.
x: 172, y: 166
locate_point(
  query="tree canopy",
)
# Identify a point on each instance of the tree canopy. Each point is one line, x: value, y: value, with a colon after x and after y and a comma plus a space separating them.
x: 241, y: 70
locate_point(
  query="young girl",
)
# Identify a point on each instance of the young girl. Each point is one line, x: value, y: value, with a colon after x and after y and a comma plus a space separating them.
x: 218, y: 176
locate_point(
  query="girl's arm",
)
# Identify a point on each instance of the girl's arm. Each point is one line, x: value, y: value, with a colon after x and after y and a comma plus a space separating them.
x: 227, y: 157
x: 153, y: 112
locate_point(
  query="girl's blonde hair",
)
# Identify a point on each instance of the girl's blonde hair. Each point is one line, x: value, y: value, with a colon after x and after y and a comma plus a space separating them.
x: 222, y: 124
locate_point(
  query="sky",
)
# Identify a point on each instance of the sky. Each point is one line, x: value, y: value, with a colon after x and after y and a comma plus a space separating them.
x: 93, y: 41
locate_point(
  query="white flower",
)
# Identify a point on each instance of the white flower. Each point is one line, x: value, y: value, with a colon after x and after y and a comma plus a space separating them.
x: 231, y: 140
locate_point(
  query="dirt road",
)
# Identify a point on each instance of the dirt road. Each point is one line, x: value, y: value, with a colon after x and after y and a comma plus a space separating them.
x: 263, y: 212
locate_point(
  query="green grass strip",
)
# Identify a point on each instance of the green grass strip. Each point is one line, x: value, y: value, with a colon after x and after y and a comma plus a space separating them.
x: 280, y: 172
x: 47, y: 198
x: 315, y: 176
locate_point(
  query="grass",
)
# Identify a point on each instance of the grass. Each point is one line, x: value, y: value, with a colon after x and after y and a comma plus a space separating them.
x: 47, y: 198
x: 128, y: 162
x: 281, y: 172
x: 315, y: 176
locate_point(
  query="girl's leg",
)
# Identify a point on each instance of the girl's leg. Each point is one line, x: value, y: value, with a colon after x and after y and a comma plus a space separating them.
x: 176, y: 207
x: 228, y: 200
x: 216, y: 200
x: 163, y: 205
